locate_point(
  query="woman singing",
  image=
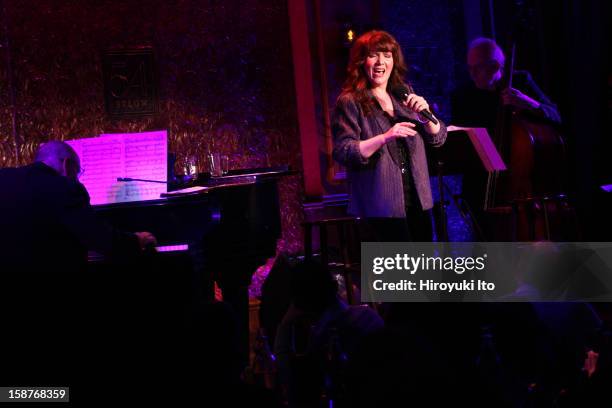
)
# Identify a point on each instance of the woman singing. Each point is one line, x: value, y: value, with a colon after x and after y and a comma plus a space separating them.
x: 380, y: 140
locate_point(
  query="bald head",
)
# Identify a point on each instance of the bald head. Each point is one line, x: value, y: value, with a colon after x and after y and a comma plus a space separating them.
x: 485, y: 61
x: 61, y: 157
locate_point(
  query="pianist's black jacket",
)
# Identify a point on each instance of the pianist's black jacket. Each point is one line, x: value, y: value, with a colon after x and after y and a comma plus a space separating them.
x: 46, y: 220
x: 47, y: 225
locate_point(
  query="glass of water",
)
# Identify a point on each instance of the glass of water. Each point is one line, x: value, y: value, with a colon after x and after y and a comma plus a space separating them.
x: 218, y: 164
x: 190, y: 168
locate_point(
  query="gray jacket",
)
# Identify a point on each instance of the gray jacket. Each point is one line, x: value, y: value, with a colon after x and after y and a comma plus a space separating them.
x: 375, y: 183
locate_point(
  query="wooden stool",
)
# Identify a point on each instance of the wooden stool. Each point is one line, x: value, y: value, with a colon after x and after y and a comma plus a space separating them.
x: 347, y: 227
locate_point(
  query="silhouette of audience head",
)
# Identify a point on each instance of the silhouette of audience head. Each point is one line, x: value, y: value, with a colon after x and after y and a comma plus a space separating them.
x: 313, y: 288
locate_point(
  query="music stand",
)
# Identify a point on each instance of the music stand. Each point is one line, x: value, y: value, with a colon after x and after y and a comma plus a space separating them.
x: 466, y: 150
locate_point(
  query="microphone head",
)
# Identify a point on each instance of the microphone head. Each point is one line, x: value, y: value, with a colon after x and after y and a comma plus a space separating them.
x: 400, y: 92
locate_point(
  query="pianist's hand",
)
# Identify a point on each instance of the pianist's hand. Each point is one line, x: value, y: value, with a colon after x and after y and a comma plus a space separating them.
x: 146, y: 240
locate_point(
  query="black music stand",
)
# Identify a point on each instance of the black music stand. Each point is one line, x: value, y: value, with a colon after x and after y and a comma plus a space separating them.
x: 466, y: 150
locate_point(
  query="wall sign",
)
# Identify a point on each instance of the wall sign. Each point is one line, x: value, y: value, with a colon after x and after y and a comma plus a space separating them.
x: 130, y: 82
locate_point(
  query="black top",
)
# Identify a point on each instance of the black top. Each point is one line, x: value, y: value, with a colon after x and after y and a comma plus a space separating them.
x: 401, y: 157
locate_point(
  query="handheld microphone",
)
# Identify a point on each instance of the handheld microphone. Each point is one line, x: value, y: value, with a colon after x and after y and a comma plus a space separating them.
x: 401, y: 93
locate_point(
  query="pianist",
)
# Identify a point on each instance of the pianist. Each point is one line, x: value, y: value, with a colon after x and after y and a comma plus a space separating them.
x: 47, y: 225
x: 45, y: 212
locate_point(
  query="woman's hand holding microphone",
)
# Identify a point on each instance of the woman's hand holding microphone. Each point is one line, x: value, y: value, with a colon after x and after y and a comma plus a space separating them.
x: 418, y: 104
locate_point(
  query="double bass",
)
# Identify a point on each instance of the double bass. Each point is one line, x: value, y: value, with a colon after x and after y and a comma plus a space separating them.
x: 531, y: 193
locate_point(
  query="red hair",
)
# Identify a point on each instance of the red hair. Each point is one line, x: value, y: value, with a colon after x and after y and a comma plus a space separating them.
x: 357, y: 82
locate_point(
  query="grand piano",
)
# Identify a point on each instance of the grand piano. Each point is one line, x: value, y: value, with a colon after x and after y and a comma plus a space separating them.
x: 219, y: 231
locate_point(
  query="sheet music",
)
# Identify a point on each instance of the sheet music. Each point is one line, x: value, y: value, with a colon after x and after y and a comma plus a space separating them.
x: 134, y: 155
